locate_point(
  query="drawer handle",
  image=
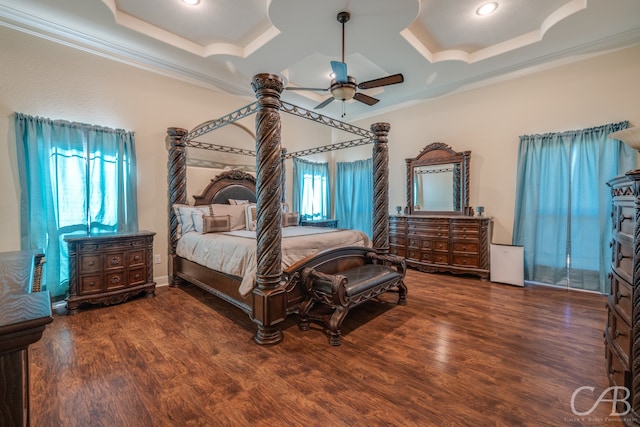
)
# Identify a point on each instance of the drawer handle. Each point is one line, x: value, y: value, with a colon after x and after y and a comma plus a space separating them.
x: 115, y: 279
x: 621, y: 257
x: 624, y: 218
x: 91, y: 263
x: 612, y: 371
x: 618, y: 333
x: 137, y: 276
x: 136, y: 258
x: 115, y: 260
x: 619, y: 295
x: 92, y: 284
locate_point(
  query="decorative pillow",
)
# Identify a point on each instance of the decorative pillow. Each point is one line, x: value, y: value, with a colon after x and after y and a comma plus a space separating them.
x: 290, y: 219
x: 184, y: 213
x: 238, y: 202
x: 235, y: 212
x: 216, y: 224
x: 251, y: 218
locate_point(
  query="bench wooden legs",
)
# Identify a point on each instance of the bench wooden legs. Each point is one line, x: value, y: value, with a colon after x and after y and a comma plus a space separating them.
x: 333, y: 319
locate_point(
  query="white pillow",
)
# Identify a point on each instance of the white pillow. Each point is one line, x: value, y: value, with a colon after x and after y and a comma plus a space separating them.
x: 185, y: 218
x: 238, y: 202
x: 235, y: 212
x: 250, y: 215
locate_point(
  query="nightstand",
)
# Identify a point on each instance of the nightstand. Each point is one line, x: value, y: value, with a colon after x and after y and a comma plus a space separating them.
x: 109, y: 268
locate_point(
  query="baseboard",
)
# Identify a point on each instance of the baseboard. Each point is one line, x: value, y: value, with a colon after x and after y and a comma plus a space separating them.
x: 161, y: 281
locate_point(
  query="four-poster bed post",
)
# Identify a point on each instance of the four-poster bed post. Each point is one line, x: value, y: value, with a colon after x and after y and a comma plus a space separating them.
x: 274, y: 295
x: 381, y: 188
x: 269, y: 303
x: 177, y: 187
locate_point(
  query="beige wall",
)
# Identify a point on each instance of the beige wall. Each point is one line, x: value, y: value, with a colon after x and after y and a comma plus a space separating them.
x: 38, y: 77
x: 489, y: 120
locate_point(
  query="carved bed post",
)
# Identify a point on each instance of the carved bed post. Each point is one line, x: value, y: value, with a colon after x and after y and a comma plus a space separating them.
x: 269, y: 297
x: 177, y: 187
x: 381, y: 188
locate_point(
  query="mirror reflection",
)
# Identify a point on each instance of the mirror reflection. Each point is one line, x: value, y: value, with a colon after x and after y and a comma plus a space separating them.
x: 434, y: 188
x: 438, y: 181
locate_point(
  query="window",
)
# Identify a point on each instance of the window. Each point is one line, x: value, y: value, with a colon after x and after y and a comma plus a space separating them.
x: 562, y: 213
x: 311, y: 189
x: 354, y: 195
x: 75, y: 179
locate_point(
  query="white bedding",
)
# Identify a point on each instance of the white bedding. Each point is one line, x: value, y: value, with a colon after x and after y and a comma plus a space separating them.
x: 234, y: 252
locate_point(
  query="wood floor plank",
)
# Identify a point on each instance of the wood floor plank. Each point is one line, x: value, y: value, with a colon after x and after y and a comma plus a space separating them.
x: 462, y: 352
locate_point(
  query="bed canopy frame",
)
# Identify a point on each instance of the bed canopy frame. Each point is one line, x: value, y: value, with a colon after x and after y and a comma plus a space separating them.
x: 268, y: 308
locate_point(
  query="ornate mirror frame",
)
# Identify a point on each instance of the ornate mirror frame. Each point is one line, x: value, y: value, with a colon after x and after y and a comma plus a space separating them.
x: 438, y: 153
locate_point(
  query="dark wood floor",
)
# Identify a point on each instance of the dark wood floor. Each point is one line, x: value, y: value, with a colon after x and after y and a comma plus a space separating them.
x: 462, y: 353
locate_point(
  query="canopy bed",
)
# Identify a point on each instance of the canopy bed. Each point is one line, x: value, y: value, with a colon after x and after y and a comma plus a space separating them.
x: 276, y: 290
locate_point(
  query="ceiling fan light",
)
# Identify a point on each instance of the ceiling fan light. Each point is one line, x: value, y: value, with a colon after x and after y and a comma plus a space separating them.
x: 343, y: 93
x: 191, y: 2
x: 487, y: 8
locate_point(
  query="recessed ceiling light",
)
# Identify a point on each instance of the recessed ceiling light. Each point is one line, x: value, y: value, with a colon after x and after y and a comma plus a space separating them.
x: 191, y: 2
x: 487, y: 8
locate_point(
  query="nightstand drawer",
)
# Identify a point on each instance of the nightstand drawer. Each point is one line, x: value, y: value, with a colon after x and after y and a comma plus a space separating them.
x: 114, y: 261
x: 90, y: 264
x: 115, y: 281
x: 90, y: 284
x: 136, y: 258
x: 137, y: 276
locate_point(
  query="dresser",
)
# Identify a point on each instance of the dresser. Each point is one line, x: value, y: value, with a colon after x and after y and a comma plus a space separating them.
x: 621, y: 332
x: 442, y: 243
x: 109, y: 268
x: 24, y: 314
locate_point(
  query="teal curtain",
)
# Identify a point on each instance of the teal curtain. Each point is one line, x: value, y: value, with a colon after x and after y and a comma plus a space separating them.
x: 562, y: 211
x: 354, y: 195
x: 74, y: 179
x: 311, y: 189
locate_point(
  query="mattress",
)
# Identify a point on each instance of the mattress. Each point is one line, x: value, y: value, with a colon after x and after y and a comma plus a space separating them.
x: 234, y: 252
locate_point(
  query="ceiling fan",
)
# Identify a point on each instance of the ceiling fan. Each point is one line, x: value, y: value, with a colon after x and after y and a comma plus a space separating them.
x: 343, y: 87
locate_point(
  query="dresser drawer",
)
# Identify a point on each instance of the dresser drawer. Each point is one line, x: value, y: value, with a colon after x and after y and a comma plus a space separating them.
x: 620, y: 334
x: 90, y: 263
x: 397, y: 240
x: 465, y: 260
x: 465, y: 226
x: 439, y: 245
x: 437, y: 257
x: 622, y: 259
x: 466, y: 246
x: 616, y: 369
x: 624, y: 218
x: 620, y: 297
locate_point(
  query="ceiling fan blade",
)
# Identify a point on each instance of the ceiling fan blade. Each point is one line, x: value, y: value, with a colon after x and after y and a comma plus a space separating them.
x: 306, y: 88
x: 366, y: 99
x: 323, y: 103
x: 340, y: 71
x: 383, y: 81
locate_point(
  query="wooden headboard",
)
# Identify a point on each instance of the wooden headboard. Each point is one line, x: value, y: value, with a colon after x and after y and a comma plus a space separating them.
x: 233, y: 184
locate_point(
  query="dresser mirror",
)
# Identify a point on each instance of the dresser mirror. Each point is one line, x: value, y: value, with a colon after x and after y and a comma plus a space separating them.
x: 438, y: 181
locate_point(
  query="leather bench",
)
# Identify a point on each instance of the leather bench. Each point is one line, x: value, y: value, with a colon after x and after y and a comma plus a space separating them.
x: 345, y: 289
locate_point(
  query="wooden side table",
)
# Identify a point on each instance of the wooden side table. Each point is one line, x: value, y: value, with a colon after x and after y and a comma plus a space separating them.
x: 109, y: 268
